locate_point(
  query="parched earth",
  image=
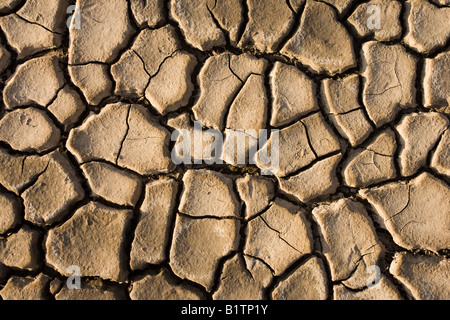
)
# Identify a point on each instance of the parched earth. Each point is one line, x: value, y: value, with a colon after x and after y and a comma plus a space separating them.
x: 359, y: 208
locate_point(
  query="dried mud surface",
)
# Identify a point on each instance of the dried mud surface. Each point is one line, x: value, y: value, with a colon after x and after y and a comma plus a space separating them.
x: 87, y: 181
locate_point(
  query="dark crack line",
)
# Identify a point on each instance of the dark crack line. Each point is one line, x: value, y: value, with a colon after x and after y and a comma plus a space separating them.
x: 225, y: 33
x: 215, y: 4
x: 232, y: 71
x: 298, y: 263
x: 379, y: 154
x: 56, y: 95
x: 433, y: 149
x: 404, y: 208
x: 362, y: 83
x: 159, y: 67
x: 244, y: 264
x: 383, y: 92
x: 295, y: 25
x: 288, y: 3
x: 309, y: 139
x: 24, y: 159
x: 37, y: 24
x: 279, y: 235
x: 408, y: 223
x: 251, y: 218
x: 227, y: 109
x: 219, y: 271
x: 33, y: 181
x: 143, y: 63
x: 244, y: 21
x: 125, y: 136
x: 210, y: 217
x: 310, y: 165
x: 295, y: 120
x: 344, y: 113
x: 262, y: 261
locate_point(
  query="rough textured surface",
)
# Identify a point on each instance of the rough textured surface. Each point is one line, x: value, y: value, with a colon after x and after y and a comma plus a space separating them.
x: 428, y: 26
x: 390, y: 25
x: 426, y: 278
x: 293, y: 94
x: 415, y: 212
x: 321, y: 42
x: 20, y: 250
x: 419, y: 133
x: 18, y: 288
x: 342, y: 127
x: 206, y: 152
x: 300, y: 144
x: 94, y: 81
x: 320, y: 136
x: 318, y: 181
x: 208, y: 193
x: 28, y: 166
x: 249, y: 108
x: 264, y: 36
x: 243, y: 278
x: 294, y: 148
x: 106, y: 258
x: 36, y: 81
x: 155, y: 67
x: 90, y: 290
x: 390, y: 74
x: 436, y: 93
x: 126, y: 135
x: 17, y: 31
x: 384, y: 290
x: 256, y: 192
x: 153, y: 229
x: 9, y: 212
x: 147, y: 13
x: 441, y: 157
x: 340, y: 99
x: 340, y: 5
x: 279, y: 236
x: 373, y: 164
x: 29, y: 130
x: 163, y: 286
x: 168, y: 90
x: 197, y: 23
x: 109, y: 31
x: 349, y: 241
x: 221, y: 78
x: 199, y: 244
x: 49, y: 14
x: 307, y: 282
x: 56, y: 189
x: 68, y: 106
x: 112, y: 184
x: 7, y: 6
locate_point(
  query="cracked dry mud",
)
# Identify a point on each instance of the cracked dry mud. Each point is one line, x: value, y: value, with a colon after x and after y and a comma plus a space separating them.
x: 87, y: 179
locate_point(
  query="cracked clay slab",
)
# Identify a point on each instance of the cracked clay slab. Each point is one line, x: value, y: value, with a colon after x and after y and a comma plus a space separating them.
x: 415, y: 212
x: 279, y: 236
x: 352, y: 251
